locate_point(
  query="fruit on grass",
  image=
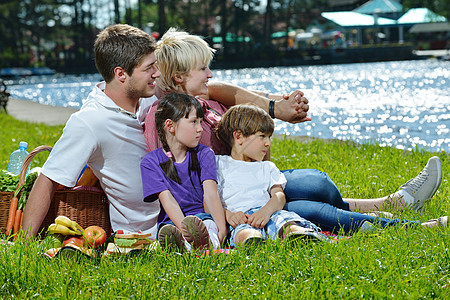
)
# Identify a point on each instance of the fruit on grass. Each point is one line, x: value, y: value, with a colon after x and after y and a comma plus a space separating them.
x: 77, y: 241
x: 72, y: 225
x: 58, y: 228
x: 55, y: 240
x: 94, y: 236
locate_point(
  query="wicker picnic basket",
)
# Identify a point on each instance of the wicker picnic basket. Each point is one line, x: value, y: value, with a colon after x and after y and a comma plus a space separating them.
x: 85, y: 205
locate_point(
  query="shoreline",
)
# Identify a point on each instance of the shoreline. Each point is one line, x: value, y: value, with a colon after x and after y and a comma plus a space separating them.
x: 27, y: 110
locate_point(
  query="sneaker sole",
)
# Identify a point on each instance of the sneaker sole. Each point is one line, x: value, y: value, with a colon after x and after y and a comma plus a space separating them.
x: 170, y: 238
x: 195, y: 232
x: 439, y: 175
x: 438, y: 182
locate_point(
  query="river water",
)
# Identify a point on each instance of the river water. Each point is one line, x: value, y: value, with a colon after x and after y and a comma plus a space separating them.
x: 402, y: 104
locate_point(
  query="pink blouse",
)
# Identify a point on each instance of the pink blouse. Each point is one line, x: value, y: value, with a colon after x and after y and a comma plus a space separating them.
x: 213, y: 111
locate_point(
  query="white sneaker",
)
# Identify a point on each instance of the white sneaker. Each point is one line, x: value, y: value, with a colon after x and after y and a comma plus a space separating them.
x: 380, y: 214
x: 439, y: 222
x: 368, y: 228
x: 417, y: 191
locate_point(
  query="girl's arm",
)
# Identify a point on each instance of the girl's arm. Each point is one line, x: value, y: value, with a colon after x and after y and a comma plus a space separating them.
x: 214, y: 206
x: 171, y: 207
x: 277, y: 201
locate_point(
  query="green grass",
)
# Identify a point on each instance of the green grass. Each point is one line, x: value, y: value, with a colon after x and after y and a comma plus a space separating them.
x: 397, y: 263
x: 14, y: 131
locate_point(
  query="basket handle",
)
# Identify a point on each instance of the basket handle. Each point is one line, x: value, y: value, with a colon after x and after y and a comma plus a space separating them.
x: 27, y: 162
x: 17, y: 219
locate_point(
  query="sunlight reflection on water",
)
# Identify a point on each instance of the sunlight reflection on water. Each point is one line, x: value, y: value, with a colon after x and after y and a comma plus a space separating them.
x: 401, y: 104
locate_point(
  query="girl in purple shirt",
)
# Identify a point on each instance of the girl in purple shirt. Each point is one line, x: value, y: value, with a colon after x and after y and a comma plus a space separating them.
x: 182, y: 174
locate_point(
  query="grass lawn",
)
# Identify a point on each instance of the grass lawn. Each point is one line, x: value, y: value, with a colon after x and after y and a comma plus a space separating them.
x: 396, y: 263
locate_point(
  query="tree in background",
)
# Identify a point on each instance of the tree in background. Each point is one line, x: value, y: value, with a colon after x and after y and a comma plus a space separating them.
x: 441, y: 7
x: 60, y: 33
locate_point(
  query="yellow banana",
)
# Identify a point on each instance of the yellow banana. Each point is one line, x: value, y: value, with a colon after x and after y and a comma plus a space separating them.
x: 65, y: 221
x: 58, y: 228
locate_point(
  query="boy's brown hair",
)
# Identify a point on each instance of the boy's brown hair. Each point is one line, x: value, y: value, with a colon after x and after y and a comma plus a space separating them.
x: 246, y: 118
x: 121, y: 45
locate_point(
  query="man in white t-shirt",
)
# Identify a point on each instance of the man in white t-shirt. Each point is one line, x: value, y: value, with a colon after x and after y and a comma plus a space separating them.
x: 107, y: 134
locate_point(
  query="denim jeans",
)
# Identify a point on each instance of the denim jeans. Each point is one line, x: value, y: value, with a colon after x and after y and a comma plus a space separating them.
x: 314, y: 196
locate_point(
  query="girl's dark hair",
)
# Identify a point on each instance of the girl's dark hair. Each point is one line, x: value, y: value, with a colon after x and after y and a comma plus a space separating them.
x: 247, y: 118
x: 175, y: 106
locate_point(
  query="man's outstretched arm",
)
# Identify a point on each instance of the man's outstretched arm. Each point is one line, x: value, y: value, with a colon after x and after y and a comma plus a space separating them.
x: 38, y: 203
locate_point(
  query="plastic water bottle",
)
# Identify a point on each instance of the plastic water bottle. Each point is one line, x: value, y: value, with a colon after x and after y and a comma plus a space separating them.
x: 17, y: 157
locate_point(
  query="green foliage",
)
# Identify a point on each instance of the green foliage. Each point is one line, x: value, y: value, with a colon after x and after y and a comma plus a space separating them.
x: 8, y: 181
x: 60, y: 34
x: 441, y: 7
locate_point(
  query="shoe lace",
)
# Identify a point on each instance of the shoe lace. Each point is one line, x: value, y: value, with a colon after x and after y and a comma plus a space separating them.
x: 416, y: 183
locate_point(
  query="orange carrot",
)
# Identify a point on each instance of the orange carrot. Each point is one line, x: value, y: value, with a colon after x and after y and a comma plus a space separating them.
x: 17, y: 218
x: 12, y: 212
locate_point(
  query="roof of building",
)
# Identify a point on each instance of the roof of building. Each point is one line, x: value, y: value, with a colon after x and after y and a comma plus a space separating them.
x: 379, y: 7
x: 354, y: 19
x: 420, y: 15
x: 431, y: 27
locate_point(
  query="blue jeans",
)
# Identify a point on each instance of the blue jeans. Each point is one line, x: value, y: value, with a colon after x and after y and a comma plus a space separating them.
x: 314, y: 196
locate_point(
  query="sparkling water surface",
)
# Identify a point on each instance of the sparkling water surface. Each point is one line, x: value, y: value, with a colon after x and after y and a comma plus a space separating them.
x: 401, y: 104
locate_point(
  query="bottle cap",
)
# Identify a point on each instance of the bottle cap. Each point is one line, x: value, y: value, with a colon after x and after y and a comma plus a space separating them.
x: 23, y: 144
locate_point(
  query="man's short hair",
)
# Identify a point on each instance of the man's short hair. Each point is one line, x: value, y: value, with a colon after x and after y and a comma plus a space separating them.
x: 121, y: 45
x: 178, y: 53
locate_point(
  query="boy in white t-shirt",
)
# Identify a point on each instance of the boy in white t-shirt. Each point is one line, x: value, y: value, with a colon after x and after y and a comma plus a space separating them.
x: 251, y: 189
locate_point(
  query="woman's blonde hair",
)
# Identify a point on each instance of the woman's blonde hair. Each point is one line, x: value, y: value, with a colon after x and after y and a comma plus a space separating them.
x: 246, y: 118
x: 178, y: 53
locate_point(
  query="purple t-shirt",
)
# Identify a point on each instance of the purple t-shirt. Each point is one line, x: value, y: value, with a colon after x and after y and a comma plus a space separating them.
x: 188, y: 194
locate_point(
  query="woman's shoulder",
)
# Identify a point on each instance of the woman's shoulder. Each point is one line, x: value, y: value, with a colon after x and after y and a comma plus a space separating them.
x: 213, y: 104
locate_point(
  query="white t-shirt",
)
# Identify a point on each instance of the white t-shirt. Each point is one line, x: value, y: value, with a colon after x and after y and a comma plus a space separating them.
x: 245, y: 185
x: 111, y: 142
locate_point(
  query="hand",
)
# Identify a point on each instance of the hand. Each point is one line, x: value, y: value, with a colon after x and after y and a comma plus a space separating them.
x: 234, y: 219
x: 259, y: 219
x: 293, y: 109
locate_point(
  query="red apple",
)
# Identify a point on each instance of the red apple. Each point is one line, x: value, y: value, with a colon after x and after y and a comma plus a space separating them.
x: 94, y: 236
x: 77, y: 241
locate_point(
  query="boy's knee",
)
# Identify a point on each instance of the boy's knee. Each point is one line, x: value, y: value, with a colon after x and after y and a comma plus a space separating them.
x: 245, y: 234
